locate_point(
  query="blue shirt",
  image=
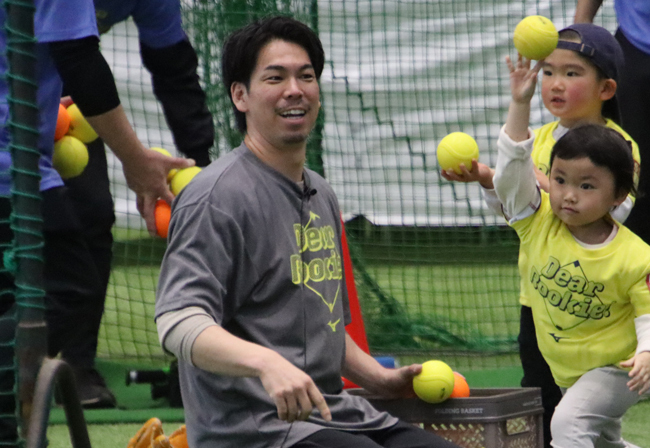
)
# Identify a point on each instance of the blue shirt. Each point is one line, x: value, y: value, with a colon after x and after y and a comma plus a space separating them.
x: 159, y: 21
x: 634, y: 20
x: 54, y: 20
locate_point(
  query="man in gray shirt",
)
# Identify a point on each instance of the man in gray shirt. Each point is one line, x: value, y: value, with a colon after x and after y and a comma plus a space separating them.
x: 252, y: 296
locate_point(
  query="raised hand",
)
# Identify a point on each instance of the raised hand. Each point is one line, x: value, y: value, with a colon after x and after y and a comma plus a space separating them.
x: 523, y: 79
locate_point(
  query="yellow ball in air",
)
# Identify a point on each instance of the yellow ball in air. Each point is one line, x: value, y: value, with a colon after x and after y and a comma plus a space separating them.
x: 535, y: 37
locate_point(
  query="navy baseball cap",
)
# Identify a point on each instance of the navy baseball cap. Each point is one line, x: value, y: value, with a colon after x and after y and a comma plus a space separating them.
x: 600, y: 47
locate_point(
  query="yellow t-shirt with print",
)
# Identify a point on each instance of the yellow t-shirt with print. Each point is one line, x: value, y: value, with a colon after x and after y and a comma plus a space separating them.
x: 584, y: 301
x: 543, y: 146
x: 544, y: 142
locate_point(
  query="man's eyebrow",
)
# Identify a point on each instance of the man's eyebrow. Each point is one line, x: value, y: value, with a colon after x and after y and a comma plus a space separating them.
x: 282, y: 67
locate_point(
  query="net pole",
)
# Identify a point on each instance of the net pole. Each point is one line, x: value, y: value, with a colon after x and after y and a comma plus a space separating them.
x: 26, y: 222
x: 315, y: 143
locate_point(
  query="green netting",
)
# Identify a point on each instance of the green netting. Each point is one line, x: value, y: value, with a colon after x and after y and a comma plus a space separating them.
x: 22, y: 351
x: 436, y: 271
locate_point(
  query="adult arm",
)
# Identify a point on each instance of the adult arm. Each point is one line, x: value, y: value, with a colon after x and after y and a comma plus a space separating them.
x: 176, y: 85
x: 586, y: 10
x: 294, y: 392
x: 364, y: 370
x: 193, y: 336
x: 90, y: 83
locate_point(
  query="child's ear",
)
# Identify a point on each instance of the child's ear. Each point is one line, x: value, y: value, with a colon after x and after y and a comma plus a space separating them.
x: 608, y: 90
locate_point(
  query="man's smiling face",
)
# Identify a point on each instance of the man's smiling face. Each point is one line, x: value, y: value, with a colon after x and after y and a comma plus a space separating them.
x: 283, y: 99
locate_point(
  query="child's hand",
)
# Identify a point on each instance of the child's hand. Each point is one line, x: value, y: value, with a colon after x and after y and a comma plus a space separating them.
x: 523, y: 79
x: 640, y: 372
x: 542, y: 180
x: 479, y: 172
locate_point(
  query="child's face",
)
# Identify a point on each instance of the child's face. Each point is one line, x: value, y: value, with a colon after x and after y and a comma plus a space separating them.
x: 581, y: 193
x: 571, y: 89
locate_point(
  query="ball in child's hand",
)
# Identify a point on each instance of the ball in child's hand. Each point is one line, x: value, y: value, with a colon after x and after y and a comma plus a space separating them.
x: 454, y: 149
x: 535, y: 37
x: 435, y: 383
x: 461, y: 388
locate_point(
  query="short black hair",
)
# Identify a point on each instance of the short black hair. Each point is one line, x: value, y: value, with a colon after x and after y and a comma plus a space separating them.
x: 605, y: 147
x: 241, y: 51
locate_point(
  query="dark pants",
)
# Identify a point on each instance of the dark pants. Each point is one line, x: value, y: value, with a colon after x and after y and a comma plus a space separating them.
x: 92, y: 203
x: 69, y: 279
x: 536, y: 370
x: 633, y: 95
x: 77, y: 252
x: 70, y: 276
x: 401, y: 435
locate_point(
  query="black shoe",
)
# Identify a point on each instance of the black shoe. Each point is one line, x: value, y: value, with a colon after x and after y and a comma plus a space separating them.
x: 92, y: 389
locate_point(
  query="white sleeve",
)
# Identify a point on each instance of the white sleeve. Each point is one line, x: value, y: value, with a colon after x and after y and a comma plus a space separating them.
x: 621, y: 212
x: 514, y: 177
x: 177, y: 330
x: 492, y: 200
x: 642, y: 325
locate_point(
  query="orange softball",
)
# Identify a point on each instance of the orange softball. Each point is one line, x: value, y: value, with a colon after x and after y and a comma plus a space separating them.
x: 163, y: 214
x: 62, y: 123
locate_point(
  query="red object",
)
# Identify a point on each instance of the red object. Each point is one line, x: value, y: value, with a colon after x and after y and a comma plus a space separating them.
x: 355, y: 329
x: 461, y: 388
x: 62, y: 123
x: 163, y: 214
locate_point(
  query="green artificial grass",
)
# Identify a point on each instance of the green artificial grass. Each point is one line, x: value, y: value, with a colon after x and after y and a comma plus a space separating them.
x: 635, y: 430
x: 114, y: 427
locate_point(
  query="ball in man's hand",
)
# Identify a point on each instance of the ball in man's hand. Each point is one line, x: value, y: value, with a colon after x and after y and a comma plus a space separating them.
x: 182, y: 178
x: 435, y: 383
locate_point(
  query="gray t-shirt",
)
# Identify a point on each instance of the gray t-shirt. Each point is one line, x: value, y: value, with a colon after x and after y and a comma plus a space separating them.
x: 263, y: 257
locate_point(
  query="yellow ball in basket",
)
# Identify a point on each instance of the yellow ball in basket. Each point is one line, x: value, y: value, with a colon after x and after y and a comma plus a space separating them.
x: 435, y: 383
x: 454, y: 149
x: 535, y: 37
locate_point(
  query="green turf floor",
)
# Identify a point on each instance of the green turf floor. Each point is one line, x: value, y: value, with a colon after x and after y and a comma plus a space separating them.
x: 113, y: 428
